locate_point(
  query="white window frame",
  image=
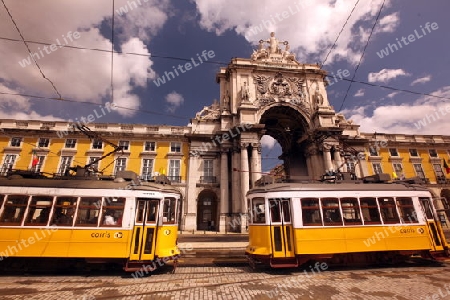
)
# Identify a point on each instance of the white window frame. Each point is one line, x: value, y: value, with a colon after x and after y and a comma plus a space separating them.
x: 147, y: 168
x: 208, y: 167
x: 175, y: 147
x: 435, y: 151
x: 174, y: 168
x: 410, y: 154
x: 64, y: 164
x: 394, y: 150
x: 14, y: 141
x: 95, y: 142
x: 377, y: 169
x: 125, y: 145
x: 8, y: 163
x: 69, y: 145
x: 152, y: 148
x: 97, y: 164
x: 44, y: 141
x: 419, y: 172
x: 37, y: 168
x: 120, y: 165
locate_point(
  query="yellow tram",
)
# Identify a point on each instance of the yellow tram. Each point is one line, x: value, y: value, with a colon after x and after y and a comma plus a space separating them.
x: 341, y: 223
x: 120, y: 221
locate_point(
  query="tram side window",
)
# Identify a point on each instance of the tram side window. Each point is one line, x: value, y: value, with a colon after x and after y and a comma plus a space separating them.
x: 14, y: 210
x: 2, y: 197
x: 169, y: 211
x: 275, y: 213
x: 426, y: 205
x: 88, y: 211
x: 39, y: 211
x: 112, y: 211
x: 330, y: 211
x: 407, y: 211
x: 350, y: 211
x: 258, y: 211
x: 388, y: 210
x: 369, y: 209
x: 64, y: 210
x: 311, y: 212
x: 152, y: 213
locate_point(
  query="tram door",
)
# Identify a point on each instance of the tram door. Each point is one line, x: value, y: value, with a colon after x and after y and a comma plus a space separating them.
x: 145, y: 228
x: 281, y: 229
x: 431, y: 223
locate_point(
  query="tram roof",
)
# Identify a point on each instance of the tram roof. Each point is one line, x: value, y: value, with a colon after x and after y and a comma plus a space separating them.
x: 86, y: 184
x: 287, y: 187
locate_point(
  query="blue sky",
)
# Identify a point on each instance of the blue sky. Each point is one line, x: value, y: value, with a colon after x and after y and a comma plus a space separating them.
x: 154, y: 36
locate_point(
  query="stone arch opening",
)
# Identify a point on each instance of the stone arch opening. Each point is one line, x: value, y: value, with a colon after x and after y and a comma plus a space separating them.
x: 290, y: 128
x: 207, y: 216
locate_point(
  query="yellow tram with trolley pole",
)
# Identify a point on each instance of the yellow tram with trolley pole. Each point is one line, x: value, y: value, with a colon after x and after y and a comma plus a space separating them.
x: 344, y: 222
x: 120, y: 221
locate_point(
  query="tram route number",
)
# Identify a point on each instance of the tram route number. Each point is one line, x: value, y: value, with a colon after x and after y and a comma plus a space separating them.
x: 107, y: 235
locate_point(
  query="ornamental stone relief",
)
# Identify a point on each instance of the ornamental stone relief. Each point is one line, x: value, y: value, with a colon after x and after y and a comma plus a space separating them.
x: 278, y: 88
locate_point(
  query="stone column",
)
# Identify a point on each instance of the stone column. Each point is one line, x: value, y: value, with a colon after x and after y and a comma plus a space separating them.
x: 256, y: 163
x: 337, y: 158
x: 363, y: 168
x: 327, y: 157
x: 223, y: 190
x: 315, y: 163
x: 244, y: 184
x: 235, y: 189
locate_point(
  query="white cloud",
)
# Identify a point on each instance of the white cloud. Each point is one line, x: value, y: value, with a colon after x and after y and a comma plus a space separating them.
x: 426, y: 115
x: 174, y: 101
x: 386, y: 75
x: 388, y: 23
x: 392, y: 95
x: 310, y: 26
x: 80, y: 75
x: 268, y: 142
x: 421, y: 80
x: 359, y: 93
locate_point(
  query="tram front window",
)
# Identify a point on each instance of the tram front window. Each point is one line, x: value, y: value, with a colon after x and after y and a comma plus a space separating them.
x: 258, y: 210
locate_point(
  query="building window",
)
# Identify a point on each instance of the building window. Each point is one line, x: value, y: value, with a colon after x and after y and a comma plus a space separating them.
x: 97, y: 144
x: 398, y: 170
x: 433, y: 153
x: 174, y: 170
x: 393, y: 152
x: 377, y: 168
x: 94, y: 166
x: 147, y: 168
x: 419, y: 170
x: 373, y: 151
x: 16, y: 141
x: 413, y: 152
x: 125, y: 145
x: 43, y: 143
x: 71, y: 143
x: 440, y: 177
x: 351, y: 167
x: 175, y: 147
x: 8, y: 163
x: 64, y: 166
x: 208, y: 168
x: 149, y: 146
x: 121, y: 164
x: 38, y: 166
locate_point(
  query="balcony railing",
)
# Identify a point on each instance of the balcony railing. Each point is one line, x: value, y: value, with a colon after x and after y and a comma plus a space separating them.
x: 174, y: 178
x: 208, y: 179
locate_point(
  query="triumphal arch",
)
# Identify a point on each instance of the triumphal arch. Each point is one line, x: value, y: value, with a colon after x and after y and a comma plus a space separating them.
x: 270, y: 93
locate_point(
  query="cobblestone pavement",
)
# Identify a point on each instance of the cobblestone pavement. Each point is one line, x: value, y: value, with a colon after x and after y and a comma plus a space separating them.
x: 413, y: 280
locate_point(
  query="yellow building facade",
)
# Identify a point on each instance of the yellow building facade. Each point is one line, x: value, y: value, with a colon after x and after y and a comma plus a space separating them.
x: 51, y: 148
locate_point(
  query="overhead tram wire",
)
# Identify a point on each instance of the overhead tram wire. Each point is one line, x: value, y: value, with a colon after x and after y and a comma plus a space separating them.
x: 112, y: 53
x: 115, y: 52
x: 29, y: 51
x: 362, y: 54
x: 97, y: 104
